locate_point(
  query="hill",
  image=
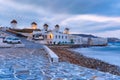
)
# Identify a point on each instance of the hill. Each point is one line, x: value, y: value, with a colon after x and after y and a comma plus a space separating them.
x: 113, y: 40
x: 86, y: 35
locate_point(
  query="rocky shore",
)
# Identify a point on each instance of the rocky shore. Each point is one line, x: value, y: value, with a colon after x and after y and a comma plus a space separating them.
x: 67, y: 55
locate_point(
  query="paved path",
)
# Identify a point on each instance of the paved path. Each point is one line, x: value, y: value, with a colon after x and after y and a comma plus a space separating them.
x: 31, y: 63
x: 31, y: 44
x: 22, y: 63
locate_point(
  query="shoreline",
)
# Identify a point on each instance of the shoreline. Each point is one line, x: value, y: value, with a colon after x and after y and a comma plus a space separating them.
x: 67, y: 55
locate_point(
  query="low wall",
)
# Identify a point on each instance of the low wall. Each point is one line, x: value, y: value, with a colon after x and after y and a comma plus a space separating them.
x: 52, y: 56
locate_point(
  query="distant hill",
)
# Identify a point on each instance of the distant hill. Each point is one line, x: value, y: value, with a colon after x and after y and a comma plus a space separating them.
x: 113, y: 40
x: 92, y: 36
x: 86, y: 35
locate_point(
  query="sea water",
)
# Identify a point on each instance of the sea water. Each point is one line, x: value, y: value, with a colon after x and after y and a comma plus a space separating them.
x: 109, y: 54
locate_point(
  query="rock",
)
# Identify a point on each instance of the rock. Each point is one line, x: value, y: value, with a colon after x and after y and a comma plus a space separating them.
x: 98, y: 78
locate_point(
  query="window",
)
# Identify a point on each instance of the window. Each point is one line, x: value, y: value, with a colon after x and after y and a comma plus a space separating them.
x: 59, y: 36
x: 50, y: 36
x: 62, y: 37
x: 56, y: 36
x: 78, y: 40
x: 65, y: 37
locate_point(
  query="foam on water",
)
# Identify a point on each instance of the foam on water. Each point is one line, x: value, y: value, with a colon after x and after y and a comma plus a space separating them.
x: 110, y: 53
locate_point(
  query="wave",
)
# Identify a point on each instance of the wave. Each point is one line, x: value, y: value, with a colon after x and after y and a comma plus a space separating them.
x: 110, y: 53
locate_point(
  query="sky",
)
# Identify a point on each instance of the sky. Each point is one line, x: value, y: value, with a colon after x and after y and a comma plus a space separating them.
x: 98, y: 17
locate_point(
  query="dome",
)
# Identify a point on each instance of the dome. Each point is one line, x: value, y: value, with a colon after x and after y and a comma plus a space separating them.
x: 13, y: 21
x: 67, y: 29
x: 46, y: 25
x: 57, y: 26
x: 34, y: 23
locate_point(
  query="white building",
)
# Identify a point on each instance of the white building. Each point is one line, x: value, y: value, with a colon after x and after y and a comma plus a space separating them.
x: 4, y: 28
x: 98, y: 41
x: 57, y: 38
x: 75, y: 39
x: 54, y: 36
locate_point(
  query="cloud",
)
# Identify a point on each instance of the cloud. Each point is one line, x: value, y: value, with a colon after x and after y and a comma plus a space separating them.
x: 114, y: 33
x: 101, y: 7
x: 94, y: 18
x: 23, y: 13
x: 81, y: 16
x: 92, y: 23
x: 12, y: 5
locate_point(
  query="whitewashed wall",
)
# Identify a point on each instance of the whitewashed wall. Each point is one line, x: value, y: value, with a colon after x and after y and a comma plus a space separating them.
x: 84, y: 40
x: 37, y: 32
x: 99, y: 41
x: 57, y: 40
x: 77, y: 39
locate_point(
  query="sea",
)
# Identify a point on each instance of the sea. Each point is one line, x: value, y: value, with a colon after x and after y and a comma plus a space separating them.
x: 109, y: 54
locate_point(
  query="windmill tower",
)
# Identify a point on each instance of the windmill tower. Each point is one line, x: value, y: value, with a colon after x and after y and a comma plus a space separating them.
x: 57, y: 28
x: 14, y: 24
x: 34, y: 25
x: 66, y: 31
x: 45, y: 26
